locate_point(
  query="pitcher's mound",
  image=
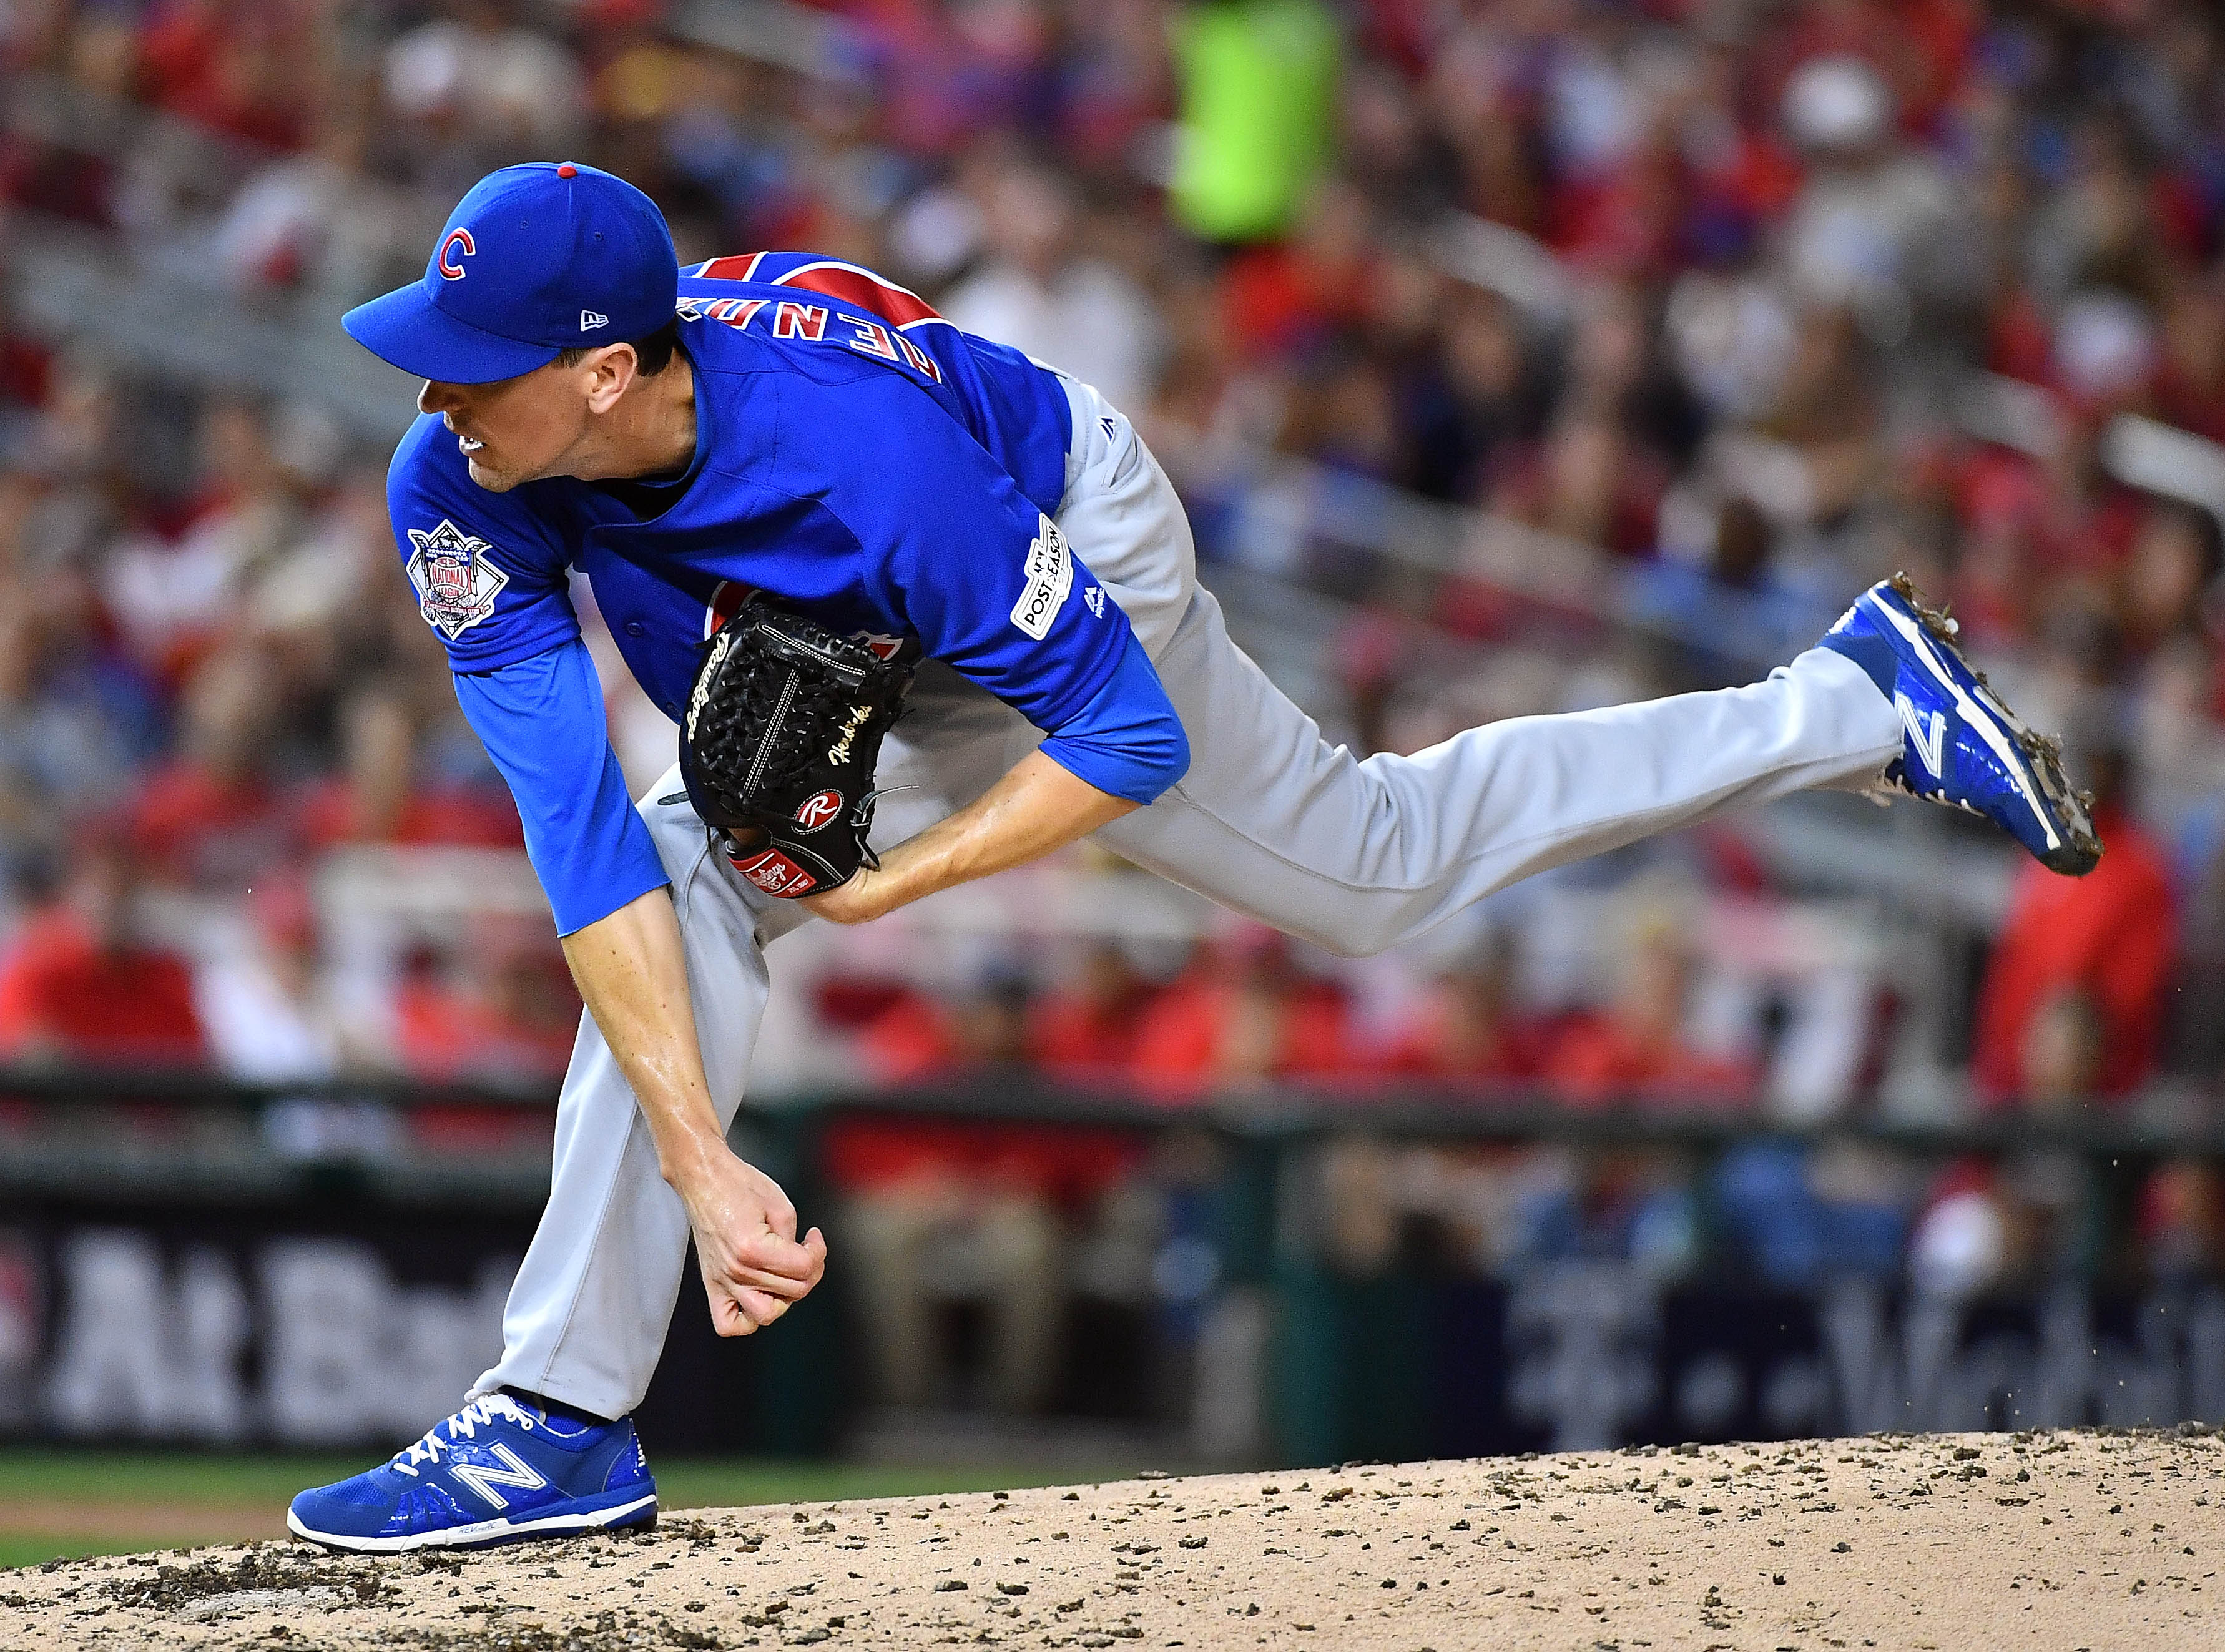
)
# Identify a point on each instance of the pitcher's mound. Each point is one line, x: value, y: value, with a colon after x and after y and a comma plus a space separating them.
x: 2044, y: 1540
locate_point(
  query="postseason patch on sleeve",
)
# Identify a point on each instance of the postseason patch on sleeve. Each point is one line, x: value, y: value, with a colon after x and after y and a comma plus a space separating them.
x: 457, y: 585
x: 1050, y: 577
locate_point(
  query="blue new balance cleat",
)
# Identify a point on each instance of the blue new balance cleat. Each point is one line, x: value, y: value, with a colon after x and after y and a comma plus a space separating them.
x: 498, y: 1471
x: 1963, y: 745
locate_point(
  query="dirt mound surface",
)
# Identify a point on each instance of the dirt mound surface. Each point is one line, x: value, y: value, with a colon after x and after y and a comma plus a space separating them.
x: 2049, y: 1539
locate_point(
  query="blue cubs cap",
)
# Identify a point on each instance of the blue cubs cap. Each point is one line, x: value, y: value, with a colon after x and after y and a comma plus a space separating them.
x: 536, y: 258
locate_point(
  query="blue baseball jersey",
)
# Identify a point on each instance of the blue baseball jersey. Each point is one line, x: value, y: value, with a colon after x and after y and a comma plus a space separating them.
x: 856, y: 457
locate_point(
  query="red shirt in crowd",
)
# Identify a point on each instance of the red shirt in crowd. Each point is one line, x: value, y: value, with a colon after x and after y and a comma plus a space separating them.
x: 1599, y: 1059
x: 1087, y: 1028
x: 912, y: 1039
x: 190, y: 827
x: 472, y: 816
x: 459, y: 1034
x: 1447, y: 1040
x: 909, y: 1040
x: 1201, y: 1031
x: 61, y: 993
x: 1073, y: 1037
x: 2109, y: 935
x: 1061, y: 1164
x: 1274, y: 299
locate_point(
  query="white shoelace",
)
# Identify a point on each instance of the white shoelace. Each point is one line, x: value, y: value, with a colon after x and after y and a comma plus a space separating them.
x: 465, y: 1424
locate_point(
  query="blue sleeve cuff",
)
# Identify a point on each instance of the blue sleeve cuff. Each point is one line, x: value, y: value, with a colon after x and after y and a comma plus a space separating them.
x: 1126, y: 742
x: 541, y: 721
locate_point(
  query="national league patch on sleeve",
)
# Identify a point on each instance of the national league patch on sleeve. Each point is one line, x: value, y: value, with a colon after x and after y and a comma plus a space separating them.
x: 456, y: 584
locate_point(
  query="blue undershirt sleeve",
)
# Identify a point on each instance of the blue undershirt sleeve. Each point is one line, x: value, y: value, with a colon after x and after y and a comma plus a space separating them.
x: 541, y: 721
x: 1127, y: 740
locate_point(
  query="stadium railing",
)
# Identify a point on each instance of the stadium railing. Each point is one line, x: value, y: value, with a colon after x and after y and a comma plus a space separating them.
x: 1386, y: 1273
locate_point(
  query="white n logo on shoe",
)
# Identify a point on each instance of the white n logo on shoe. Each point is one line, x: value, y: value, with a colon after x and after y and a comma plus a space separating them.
x: 520, y: 1475
x: 1931, y: 744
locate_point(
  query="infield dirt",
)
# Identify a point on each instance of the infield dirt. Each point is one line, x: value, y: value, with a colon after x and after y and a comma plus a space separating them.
x: 2074, y: 1539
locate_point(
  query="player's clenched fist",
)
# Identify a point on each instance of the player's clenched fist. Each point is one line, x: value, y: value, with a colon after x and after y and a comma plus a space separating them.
x: 753, y: 1265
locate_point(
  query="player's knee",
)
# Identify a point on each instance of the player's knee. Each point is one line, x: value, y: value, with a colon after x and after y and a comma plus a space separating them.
x: 1362, y: 939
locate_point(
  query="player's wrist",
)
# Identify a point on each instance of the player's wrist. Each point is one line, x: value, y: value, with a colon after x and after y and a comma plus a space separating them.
x: 866, y: 894
x: 691, y: 1160
x: 871, y: 892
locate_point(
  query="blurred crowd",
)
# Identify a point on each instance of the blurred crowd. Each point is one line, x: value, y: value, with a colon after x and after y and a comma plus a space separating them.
x: 203, y: 696
x: 1242, y: 1013
x: 1715, y: 310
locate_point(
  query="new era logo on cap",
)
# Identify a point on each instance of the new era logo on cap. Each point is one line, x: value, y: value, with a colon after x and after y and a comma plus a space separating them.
x: 590, y: 320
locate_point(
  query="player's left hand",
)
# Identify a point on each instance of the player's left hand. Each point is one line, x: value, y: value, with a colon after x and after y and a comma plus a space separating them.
x: 866, y: 896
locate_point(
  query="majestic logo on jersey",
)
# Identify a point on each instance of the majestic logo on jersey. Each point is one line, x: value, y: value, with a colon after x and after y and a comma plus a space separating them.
x: 483, y: 1479
x: 590, y: 320
x: 1095, y: 598
x: 456, y: 584
x: 1050, y: 577
x: 819, y: 810
x: 458, y: 246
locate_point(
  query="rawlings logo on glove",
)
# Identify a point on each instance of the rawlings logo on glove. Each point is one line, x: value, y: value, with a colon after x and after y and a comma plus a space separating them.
x: 783, y: 727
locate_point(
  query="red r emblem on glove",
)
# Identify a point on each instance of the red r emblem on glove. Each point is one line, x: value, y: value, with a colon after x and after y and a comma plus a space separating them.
x: 820, y: 810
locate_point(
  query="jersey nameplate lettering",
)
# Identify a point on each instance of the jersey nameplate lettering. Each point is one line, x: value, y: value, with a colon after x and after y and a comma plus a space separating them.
x: 808, y: 322
x: 1051, y: 576
x: 800, y: 321
x: 456, y: 584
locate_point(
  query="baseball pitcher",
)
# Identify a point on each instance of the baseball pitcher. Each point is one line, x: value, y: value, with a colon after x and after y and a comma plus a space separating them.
x: 806, y: 503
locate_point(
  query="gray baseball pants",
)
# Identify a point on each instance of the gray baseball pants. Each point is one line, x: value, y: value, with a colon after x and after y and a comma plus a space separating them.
x: 1353, y: 856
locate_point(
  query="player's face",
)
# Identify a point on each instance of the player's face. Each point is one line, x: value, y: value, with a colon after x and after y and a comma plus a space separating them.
x: 515, y: 429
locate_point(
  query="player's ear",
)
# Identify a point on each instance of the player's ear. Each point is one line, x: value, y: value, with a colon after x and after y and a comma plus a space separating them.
x: 610, y: 370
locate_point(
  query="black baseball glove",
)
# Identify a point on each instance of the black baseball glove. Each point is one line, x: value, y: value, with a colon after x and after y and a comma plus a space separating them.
x: 783, y: 727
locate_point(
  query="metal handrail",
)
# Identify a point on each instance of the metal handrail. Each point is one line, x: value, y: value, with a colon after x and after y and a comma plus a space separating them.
x: 1397, y: 1108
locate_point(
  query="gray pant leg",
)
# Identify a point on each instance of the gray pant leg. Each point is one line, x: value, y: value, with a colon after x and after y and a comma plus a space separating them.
x: 1358, y: 855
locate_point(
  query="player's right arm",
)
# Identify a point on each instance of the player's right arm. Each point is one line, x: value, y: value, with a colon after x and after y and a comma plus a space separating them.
x: 490, y: 577
x: 632, y: 971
